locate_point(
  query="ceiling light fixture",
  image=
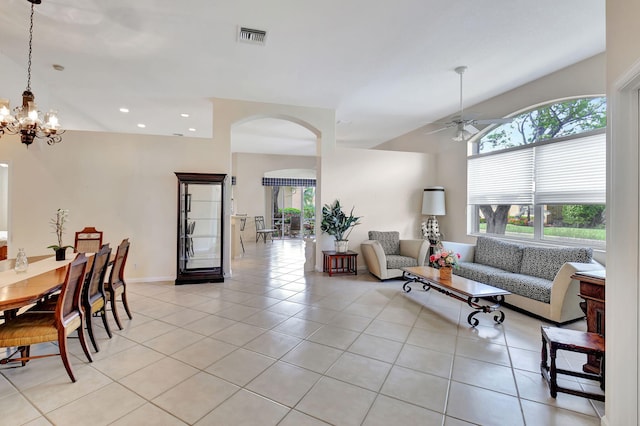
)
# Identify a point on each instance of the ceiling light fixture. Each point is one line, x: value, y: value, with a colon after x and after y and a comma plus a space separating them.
x: 184, y: 115
x: 26, y: 119
x: 124, y: 110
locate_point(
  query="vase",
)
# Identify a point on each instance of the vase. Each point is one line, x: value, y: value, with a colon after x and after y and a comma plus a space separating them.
x: 22, y: 263
x: 342, y: 246
x: 445, y: 273
x: 60, y: 253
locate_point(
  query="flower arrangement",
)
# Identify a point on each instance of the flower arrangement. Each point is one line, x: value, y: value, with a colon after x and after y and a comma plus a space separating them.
x: 57, y: 223
x: 445, y: 258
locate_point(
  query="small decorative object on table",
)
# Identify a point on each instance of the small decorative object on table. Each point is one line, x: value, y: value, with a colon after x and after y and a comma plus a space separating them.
x: 57, y: 222
x: 335, y: 222
x: 22, y: 263
x: 445, y: 261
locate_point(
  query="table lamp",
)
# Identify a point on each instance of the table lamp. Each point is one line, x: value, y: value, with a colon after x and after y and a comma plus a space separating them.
x: 432, y: 206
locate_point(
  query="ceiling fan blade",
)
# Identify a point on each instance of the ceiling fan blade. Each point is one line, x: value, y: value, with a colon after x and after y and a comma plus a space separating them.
x: 471, y: 129
x: 438, y: 130
x: 494, y: 121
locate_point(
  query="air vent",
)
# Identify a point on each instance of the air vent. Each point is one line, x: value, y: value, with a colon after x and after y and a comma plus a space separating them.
x: 248, y: 35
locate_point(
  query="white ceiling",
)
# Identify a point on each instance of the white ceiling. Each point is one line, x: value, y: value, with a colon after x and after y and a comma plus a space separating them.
x: 385, y: 67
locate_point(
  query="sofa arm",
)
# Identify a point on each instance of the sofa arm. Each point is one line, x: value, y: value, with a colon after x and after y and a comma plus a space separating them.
x: 374, y: 258
x: 417, y: 249
x: 564, y: 286
x: 466, y: 250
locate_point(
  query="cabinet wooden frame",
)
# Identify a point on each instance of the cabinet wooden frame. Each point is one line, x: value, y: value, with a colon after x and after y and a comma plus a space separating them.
x: 190, y: 269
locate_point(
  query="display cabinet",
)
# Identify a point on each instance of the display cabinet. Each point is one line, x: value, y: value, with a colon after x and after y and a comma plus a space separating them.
x: 200, y: 228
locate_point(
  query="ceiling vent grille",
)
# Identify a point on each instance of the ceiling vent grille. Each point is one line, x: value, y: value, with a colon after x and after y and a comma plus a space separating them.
x: 248, y: 35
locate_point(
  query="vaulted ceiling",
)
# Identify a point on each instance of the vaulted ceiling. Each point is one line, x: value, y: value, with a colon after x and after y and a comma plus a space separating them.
x: 385, y: 67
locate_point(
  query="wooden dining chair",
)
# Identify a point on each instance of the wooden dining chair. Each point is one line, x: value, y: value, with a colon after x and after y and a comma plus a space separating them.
x: 94, y: 296
x: 89, y: 240
x: 35, y: 327
x: 116, y: 284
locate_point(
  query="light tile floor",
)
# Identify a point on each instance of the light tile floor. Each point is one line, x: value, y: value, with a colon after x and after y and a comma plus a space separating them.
x: 276, y: 346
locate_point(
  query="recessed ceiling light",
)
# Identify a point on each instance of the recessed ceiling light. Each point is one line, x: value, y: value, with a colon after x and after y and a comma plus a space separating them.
x: 191, y: 129
x: 142, y: 126
x: 58, y: 67
x: 184, y: 114
x: 123, y: 109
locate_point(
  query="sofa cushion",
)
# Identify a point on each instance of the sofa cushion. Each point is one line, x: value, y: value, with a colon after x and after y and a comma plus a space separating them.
x: 545, y: 262
x: 499, y: 254
x: 395, y: 261
x: 524, y: 285
x: 476, y: 271
x: 389, y: 240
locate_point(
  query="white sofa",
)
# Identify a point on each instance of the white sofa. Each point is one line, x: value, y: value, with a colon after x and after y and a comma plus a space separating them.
x: 539, y: 278
x: 385, y: 253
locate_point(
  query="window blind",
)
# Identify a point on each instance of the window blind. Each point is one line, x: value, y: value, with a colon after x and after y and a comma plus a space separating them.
x: 572, y: 172
x: 505, y: 178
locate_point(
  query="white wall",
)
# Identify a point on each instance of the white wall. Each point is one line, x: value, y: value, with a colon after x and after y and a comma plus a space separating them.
x: 122, y: 184
x: 623, y: 253
x: 385, y: 187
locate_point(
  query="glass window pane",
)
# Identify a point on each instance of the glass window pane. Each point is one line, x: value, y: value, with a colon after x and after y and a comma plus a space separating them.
x: 508, y: 220
x: 579, y: 223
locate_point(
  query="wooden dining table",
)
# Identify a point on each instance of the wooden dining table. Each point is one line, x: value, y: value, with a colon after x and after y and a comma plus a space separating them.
x: 43, y: 277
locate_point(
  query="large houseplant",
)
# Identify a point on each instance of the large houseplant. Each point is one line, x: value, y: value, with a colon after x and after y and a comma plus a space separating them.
x: 335, y: 222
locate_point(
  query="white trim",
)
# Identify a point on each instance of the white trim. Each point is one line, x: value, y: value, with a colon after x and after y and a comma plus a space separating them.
x: 623, y: 225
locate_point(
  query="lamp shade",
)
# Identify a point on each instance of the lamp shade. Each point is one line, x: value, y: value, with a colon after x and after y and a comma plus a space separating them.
x: 433, y: 201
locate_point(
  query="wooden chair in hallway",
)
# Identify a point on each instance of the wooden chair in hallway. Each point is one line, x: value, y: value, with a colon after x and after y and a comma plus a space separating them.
x: 294, y: 226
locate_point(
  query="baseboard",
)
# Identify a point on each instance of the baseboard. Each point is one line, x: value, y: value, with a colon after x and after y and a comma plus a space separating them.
x: 150, y: 279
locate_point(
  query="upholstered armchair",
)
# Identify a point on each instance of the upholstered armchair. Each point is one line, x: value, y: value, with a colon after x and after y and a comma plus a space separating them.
x: 385, y: 253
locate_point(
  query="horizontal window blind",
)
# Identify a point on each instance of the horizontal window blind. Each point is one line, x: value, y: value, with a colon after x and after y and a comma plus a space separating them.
x: 505, y: 178
x: 572, y: 172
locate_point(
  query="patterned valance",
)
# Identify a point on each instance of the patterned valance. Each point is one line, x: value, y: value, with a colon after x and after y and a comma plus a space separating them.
x: 267, y: 181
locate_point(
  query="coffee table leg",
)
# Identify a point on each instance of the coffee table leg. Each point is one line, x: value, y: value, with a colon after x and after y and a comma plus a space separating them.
x: 406, y: 287
x: 473, y: 302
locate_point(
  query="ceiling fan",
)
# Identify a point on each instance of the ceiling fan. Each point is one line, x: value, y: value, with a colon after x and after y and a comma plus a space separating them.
x: 465, y: 125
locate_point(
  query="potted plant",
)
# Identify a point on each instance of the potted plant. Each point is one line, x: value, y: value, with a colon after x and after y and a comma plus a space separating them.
x: 57, y: 223
x: 335, y: 222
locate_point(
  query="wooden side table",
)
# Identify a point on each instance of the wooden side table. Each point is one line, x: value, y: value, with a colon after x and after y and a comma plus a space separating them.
x: 582, y: 342
x: 340, y: 263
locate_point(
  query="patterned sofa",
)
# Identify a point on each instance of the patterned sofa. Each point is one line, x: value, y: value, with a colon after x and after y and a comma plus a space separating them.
x: 385, y: 253
x: 538, y: 277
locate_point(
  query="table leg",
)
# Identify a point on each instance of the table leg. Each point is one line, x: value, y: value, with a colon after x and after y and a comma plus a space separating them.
x: 473, y: 302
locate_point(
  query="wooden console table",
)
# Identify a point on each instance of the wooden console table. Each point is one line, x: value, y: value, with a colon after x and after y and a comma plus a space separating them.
x: 340, y: 263
x: 592, y: 290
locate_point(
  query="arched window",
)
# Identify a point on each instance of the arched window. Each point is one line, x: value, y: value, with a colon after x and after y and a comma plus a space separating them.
x: 549, y: 122
x: 542, y: 176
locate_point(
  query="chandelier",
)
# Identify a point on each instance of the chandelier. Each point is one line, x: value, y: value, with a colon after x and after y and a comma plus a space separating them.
x: 26, y: 120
